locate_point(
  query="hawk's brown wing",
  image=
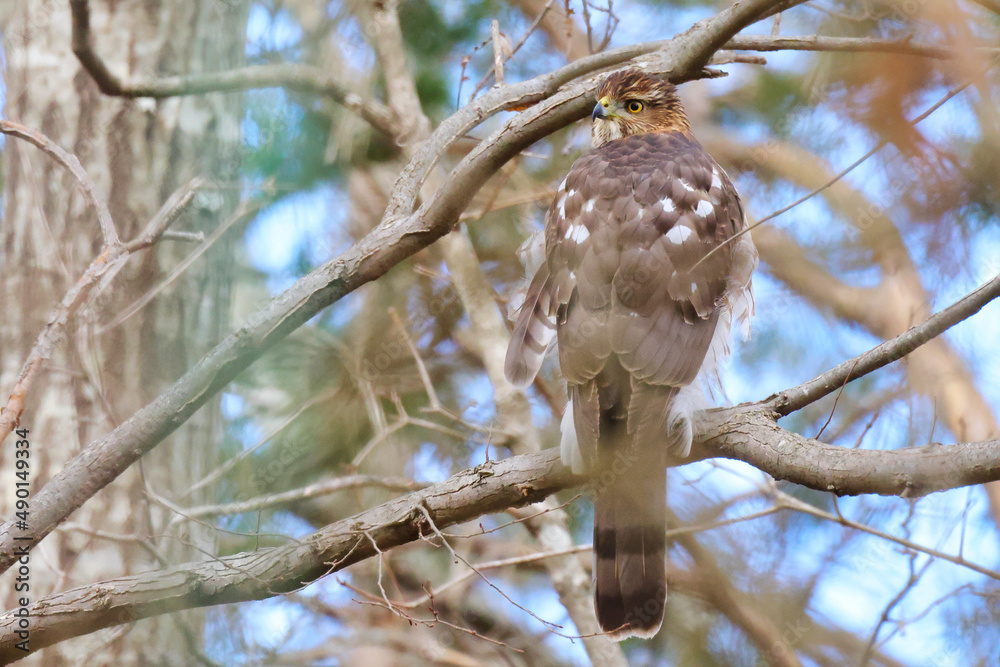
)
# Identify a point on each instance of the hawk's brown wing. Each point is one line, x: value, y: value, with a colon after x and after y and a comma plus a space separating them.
x: 623, y: 239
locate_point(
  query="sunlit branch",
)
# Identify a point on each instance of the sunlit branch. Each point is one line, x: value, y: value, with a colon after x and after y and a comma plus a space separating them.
x: 767, y: 43
x: 799, y: 506
x: 798, y: 397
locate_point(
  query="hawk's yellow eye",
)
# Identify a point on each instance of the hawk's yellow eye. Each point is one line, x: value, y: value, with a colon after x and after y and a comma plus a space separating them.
x: 634, y: 106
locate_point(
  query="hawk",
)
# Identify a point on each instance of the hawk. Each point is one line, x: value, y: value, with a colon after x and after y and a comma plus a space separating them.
x: 641, y: 308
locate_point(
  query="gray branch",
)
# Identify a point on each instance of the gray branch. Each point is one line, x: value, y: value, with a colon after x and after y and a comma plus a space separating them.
x: 797, y: 398
x: 746, y: 433
x: 303, y: 78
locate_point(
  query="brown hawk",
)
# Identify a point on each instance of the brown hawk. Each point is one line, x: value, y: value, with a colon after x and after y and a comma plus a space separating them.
x: 640, y: 309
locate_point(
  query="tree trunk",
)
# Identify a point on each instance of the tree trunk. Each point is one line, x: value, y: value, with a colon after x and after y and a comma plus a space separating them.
x: 138, y: 152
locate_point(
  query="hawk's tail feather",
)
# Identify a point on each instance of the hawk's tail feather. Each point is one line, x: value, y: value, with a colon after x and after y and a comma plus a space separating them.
x: 629, y: 533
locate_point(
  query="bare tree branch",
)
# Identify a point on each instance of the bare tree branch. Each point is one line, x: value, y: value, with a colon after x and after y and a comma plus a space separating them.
x: 747, y: 433
x: 110, y: 259
x: 562, y: 30
x: 549, y: 528
x: 101, y: 270
x: 754, y: 438
x: 304, y: 78
x: 793, y: 503
x: 794, y: 399
x: 267, y: 572
x: 424, y: 207
x: 315, y: 490
x: 70, y: 162
x: 157, y: 226
x: 849, y: 45
x: 310, y: 79
x: 899, y: 300
x: 520, y: 480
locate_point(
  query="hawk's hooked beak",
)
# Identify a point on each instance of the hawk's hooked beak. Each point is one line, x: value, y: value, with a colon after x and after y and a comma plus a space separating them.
x: 601, y: 110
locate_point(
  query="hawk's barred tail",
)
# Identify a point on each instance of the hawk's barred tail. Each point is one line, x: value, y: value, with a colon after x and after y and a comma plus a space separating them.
x: 629, y: 533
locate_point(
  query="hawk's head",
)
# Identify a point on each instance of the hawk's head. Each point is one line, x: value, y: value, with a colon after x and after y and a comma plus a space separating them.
x: 633, y: 102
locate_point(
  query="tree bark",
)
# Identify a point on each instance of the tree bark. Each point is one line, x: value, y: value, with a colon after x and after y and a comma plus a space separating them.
x: 138, y: 154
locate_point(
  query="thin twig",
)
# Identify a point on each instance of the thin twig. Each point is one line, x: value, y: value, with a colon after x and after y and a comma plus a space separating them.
x: 186, y: 237
x: 433, y: 526
x: 244, y: 212
x: 246, y: 453
x: 72, y: 164
x: 532, y: 558
x: 315, y: 490
x: 157, y: 226
x: 492, y: 565
x: 879, y: 146
x: 425, y: 377
x: 428, y: 622
x: 911, y: 581
x: 294, y: 76
x: 833, y: 408
x: 797, y: 505
x: 109, y: 261
x: 520, y: 42
x: 798, y: 397
x: 381, y: 588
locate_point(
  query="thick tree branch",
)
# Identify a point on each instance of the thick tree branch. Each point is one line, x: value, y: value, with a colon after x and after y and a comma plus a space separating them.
x: 900, y: 298
x: 744, y: 433
x: 767, y: 43
x: 754, y: 438
x: 313, y: 80
x: 267, y: 572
